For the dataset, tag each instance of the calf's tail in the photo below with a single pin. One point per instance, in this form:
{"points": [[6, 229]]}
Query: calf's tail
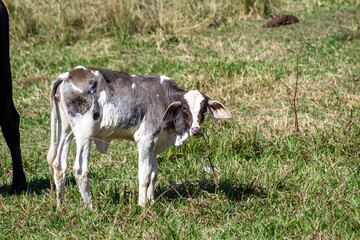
{"points": [[52, 152]]}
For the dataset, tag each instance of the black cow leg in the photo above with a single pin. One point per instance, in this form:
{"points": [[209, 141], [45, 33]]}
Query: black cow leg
{"points": [[10, 129]]}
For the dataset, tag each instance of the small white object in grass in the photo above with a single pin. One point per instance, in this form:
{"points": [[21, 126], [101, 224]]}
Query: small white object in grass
{"points": [[207, 169]]}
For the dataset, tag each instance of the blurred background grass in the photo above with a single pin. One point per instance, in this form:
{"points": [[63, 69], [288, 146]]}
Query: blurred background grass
{"points": [[69, 21]]}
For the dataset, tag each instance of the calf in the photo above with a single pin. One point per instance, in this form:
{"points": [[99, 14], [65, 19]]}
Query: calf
{"points": [[102, 105], [9, 118]]}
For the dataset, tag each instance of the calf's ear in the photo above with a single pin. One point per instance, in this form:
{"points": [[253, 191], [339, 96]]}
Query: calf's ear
{"points": [[172, 112], [217, 109]]}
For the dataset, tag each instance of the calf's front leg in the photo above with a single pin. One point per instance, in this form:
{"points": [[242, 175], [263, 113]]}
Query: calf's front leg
{"points": [[81, 171], [148, 168]]}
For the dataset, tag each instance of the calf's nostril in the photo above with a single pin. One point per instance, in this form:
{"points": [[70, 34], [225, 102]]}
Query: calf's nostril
{"points": [[195, 129], [96, 116]]}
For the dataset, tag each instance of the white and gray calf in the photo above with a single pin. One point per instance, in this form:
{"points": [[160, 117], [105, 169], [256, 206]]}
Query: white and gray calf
{"points": [[102, 105]]}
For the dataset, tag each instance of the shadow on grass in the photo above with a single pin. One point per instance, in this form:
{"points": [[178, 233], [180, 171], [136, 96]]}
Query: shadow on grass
{"points": [[5, 189], [169, 192], [191, 190], [37, 185], [227, 189]]}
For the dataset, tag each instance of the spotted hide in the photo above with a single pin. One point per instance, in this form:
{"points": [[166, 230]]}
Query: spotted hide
{"points": [[102, 105]]}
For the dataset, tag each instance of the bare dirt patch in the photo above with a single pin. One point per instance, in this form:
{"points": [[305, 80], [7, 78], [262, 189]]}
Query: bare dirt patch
{"points": [[281, 20], [350, 36]]}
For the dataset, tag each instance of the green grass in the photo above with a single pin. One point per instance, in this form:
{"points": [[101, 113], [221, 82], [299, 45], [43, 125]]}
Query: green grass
{"points": [[273, 184]]}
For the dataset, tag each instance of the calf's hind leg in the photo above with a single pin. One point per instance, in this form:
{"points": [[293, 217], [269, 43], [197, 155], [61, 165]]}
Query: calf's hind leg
{"points": [[60, 163], [63, 142]]}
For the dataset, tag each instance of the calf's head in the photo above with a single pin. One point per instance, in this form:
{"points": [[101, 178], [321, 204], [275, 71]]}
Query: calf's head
{"points": [[192, 107]]}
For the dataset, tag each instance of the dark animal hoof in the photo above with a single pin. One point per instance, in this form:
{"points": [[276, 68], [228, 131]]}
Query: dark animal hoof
{"points": [[18, 188], [281, 20]]}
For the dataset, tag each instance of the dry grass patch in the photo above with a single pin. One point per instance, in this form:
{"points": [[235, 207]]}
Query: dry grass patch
{"points": [[66, 22]]}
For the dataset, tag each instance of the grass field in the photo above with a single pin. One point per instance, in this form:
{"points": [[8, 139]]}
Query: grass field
{"points": [[275, 183]]}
